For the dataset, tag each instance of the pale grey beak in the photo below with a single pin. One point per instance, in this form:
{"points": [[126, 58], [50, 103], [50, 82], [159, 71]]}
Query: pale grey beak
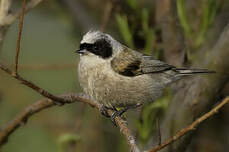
{"points": [[81, 51]]}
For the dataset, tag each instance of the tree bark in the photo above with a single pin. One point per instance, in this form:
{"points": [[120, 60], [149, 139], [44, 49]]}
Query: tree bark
{"points": [[197, 94]]}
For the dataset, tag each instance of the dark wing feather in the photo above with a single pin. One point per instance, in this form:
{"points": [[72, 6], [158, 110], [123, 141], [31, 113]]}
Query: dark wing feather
{"points": [[132, 63], [150, 65]]}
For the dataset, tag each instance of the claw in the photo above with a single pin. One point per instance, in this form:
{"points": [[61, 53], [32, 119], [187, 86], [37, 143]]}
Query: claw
{"points": [[114, 115], [103, 111], [117, 114]]}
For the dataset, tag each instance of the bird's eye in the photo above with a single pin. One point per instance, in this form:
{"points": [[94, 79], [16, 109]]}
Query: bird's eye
{"points": [[95, 47]]}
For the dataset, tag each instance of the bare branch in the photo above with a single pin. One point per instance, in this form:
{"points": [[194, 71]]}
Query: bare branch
{"points": [[4, 8], [68, 98], [191, 127], [11, 16], [19, 36]]}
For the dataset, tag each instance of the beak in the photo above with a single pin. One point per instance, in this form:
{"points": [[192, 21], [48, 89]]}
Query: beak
{"points": [[81, 51]]}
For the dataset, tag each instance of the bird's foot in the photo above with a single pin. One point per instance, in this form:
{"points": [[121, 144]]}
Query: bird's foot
{"points": [[103, 111], [117, 114]]}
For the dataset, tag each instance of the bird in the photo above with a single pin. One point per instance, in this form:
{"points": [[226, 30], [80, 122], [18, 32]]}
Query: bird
{"points": [[116, 76]]}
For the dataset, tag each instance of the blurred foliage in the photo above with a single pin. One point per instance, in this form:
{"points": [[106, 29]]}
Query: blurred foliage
{"points": [[68, 141], [209, 9], [125, 30], [150, 114], [136, 29], [181, 11], [132, 4]]}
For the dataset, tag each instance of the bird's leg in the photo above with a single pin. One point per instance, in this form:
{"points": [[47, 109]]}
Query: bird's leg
{"points": [[118, 113], [104, 109]]}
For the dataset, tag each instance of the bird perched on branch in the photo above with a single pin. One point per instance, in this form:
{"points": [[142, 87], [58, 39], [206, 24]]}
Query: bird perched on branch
{"points": [[117, 76]]}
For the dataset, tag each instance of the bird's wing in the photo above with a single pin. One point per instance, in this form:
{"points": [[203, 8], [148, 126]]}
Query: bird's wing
{"points": [[150, 65], [132, 63]]}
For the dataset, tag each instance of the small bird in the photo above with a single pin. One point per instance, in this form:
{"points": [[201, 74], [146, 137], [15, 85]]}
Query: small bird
{"points": [[116, 76]]}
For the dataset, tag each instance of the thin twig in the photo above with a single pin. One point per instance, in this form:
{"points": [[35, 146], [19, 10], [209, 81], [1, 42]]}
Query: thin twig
{"points": [[21, 79], [19, 36], [191, 127]]}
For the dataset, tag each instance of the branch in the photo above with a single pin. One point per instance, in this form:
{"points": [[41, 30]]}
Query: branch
{"points": [[4, 8], [19, 36], [40, 105], [10, 16], [191, 127]]}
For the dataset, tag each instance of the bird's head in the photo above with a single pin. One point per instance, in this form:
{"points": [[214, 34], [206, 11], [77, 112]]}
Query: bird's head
{"points": [[99, 44]]}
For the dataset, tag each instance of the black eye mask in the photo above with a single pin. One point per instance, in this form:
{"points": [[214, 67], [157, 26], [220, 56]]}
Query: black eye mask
{"points": [[101, 48]]}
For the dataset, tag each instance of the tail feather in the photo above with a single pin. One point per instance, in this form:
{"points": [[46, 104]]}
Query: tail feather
{"points": [[183, 71]]}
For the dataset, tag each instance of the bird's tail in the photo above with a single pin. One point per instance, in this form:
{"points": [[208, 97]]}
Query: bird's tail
{"points": [[183, 71]]}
